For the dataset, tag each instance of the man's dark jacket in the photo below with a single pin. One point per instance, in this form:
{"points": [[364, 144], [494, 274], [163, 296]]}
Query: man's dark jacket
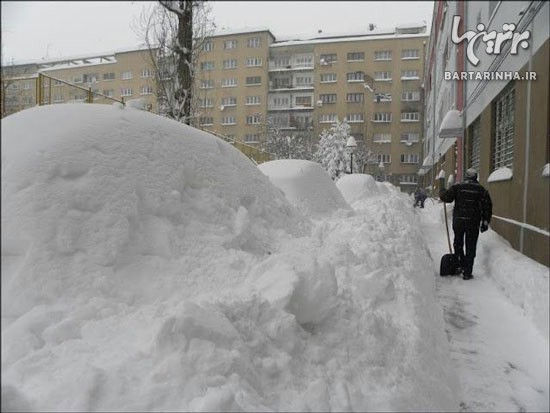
{"points": [[472, 203]]}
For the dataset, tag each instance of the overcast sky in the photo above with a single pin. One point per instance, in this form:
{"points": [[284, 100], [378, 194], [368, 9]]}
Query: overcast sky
{"points": [[35, 30]]}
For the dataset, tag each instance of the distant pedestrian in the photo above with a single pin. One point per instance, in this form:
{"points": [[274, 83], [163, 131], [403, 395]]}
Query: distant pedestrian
{"points": [[472, 212], [419, 197]]}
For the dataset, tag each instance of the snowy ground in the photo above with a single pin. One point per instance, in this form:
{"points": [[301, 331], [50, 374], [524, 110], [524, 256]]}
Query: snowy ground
{"points": [[149, 266]]}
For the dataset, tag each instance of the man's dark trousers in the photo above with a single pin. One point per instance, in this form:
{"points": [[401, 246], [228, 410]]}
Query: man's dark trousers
{"points": [[471, 233]]}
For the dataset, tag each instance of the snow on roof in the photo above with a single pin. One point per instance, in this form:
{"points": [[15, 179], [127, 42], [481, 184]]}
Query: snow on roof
{"points": [[225, 31], [86, 56], [332, 38]]}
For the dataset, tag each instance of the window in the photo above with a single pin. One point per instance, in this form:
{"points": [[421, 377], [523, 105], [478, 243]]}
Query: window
{"points": [[409, 75], [206, 121], [384, 158], [381, 137], [58, 99], [410, 117], [207, 84], [27, 85], [304, 81], [229, 82], [358, 136], [229, 120], [304, 61], [281, 102], [208, 46], [410, 96], [253, 80], [109, 76], [327, 59], [328, 118], [76, 79], [409, 158], [146, 73], [251, 138], [382, 76], [229, 101], [90, 78], [356, 77], [206, 103], [282, 61], [475, 144], [408, 179], [383, 117], [503, 140], [109, 92], [410, 137], [355, 97], [253, 119], [207, 65], [382, 55], [355, 117], [356, 56], [409, 54], [328, 98], [126, 75], [127, 91], [382, 97], [303, 101], [253, 42], [328, 77], [146, 90], [230, 64], [254, 62], [253, 100], [230, 44], [57, 83]]}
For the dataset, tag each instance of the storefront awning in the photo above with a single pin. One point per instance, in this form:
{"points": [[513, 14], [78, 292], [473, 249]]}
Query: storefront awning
{"points": [[451, 127]]}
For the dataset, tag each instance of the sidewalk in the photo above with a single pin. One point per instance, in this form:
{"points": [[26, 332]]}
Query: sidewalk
{"points": [[500, 356]]}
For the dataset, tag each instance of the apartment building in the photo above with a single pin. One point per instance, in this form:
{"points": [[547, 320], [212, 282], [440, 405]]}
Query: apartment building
{"points": [[496, 118], [373, 80], [120, 75]]}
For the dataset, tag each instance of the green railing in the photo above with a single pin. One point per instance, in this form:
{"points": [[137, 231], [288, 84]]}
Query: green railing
{"points": [[257, 155], [44, 88]]}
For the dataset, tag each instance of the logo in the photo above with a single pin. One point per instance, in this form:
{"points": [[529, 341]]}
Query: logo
{"points": [[493, 40]]}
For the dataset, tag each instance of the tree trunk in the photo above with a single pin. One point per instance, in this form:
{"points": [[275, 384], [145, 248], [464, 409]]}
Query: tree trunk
{"points": [[184, 59]]}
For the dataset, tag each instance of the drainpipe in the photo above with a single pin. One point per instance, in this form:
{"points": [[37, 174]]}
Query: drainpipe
{"points": [[527, 147]]}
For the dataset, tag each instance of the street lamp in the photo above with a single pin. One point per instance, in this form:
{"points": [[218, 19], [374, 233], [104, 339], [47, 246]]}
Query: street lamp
{"points": [[351, 145]]}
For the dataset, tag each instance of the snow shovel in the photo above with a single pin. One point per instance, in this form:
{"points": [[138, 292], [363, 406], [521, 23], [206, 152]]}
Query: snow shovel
{"points": [[449, 262]]}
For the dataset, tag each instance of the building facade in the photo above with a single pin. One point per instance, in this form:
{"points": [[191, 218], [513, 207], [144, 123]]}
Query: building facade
{"points": [[502, 107], [121, 75], [303, 86]]}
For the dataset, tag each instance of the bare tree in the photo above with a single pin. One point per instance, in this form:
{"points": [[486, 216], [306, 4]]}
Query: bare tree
{"points": [[282, 145], [175, 33]]}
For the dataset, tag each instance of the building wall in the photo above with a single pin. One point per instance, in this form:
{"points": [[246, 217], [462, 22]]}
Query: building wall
{"points": [[73, 71], [363, 127]]}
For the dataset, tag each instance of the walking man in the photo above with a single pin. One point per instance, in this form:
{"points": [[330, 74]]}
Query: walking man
{"points": [[472, 212]]}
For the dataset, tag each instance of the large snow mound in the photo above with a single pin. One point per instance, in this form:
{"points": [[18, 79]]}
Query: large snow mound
{"points": [[306, 185], [147, 266], [87, 189], [355, 187]]}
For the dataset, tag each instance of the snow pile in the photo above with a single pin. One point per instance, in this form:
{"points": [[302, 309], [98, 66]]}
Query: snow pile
{"points": [[358, 186], [148, 266], [306, 185]]}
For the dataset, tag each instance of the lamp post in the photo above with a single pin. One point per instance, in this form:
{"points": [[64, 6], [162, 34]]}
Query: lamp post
{"points": [[381, 167], [351, 145]]}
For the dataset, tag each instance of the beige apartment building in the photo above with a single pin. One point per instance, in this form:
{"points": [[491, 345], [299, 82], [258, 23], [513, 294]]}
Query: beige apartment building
{"points": [[372, 80], [245, 79], [120, 75]]}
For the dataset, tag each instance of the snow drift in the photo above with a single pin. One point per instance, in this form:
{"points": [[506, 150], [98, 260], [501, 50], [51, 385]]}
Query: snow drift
{"points": [[306, 185], [149, 266]]}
